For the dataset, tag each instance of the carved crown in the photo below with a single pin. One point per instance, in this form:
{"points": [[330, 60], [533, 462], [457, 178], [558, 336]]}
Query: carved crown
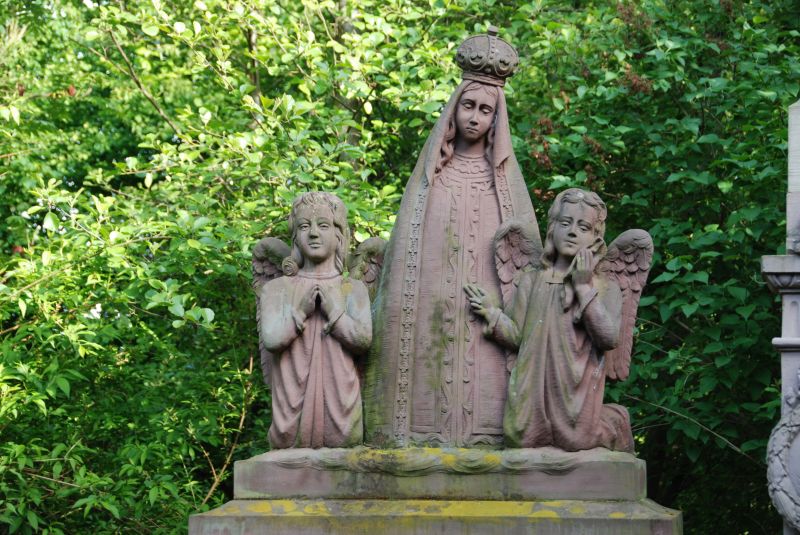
{"points": [[487, 58]]}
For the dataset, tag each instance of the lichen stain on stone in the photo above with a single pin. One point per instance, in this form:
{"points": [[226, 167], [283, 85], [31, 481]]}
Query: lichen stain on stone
{"points": [[259, 507], [545, 513], [491, 459], [617, 514], [316, 509], [283, 507], [577, 510], [449, 460], [227, 509]]}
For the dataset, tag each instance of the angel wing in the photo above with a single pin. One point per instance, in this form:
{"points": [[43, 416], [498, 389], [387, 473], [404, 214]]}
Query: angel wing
{"points": [[516, 246], [366, 262], [627, 262], [268, 256]]}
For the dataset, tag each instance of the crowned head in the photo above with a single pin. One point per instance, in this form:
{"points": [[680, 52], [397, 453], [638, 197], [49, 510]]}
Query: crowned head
{"points": [[487, 58]]}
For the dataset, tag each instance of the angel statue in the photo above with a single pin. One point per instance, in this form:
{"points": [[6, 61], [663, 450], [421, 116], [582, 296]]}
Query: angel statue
{"points": [[314, 323], [571, 322], [432, 377]]}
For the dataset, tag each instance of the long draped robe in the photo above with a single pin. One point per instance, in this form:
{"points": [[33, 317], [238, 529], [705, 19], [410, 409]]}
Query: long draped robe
{"points": [[557, 383], [432, 378], [316, 391]]}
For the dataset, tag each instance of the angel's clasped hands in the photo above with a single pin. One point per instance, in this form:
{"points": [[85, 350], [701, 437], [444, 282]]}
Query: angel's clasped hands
{"points": [[330, 301]]}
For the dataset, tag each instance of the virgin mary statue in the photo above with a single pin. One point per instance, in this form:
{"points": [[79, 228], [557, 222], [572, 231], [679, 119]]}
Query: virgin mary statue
{"points": [[433, 378]]}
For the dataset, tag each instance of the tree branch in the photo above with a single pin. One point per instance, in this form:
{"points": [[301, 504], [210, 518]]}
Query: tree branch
{"points": [[141, 86], [218, 478]]}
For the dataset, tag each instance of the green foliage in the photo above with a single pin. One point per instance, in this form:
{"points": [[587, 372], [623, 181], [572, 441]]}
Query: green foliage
{"points": [[145, 146]]}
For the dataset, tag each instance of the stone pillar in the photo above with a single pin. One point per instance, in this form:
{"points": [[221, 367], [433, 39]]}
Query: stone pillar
{"points": [[793, 195], [782, 274]]}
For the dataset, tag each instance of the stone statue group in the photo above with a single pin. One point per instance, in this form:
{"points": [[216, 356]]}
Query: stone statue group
{"points": [[462, 330]]}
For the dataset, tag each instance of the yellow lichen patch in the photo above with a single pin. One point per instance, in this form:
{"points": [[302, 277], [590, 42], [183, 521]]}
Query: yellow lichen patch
{"points": [[617, 514], [316, 508], [577, 510], [260, 506], [283, 507], [221, 511], [492, 459], [544, 513], [449, 460]]}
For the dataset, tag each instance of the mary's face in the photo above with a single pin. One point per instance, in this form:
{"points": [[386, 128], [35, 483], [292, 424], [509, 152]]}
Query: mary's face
{"points": [[475, 114]]}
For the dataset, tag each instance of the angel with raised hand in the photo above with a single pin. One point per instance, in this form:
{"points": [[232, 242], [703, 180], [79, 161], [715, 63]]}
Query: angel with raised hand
{"points": [[314, 323], [571, 321]]}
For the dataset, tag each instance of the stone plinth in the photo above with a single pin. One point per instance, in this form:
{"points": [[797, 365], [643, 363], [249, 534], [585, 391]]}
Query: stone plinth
{"points": [[437, 491], [401, 517], [447, 473]]}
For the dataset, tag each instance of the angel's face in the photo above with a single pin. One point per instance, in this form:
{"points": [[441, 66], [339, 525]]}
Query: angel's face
{"points": [[315, 234], [574, 229]]}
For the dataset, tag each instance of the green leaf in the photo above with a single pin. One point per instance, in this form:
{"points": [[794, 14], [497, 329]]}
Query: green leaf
{"points": [[113, 509], [150, 29], [708, 138], [689, 309], [33, 520], [63, 384], [208, 314], [746, 311], [738, 292], [722, 361], [50, 222], [177, 309]]}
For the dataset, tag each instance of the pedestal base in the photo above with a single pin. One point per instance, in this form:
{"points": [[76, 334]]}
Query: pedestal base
{"points": [[404, 517], [442, 473], [437, 491]]}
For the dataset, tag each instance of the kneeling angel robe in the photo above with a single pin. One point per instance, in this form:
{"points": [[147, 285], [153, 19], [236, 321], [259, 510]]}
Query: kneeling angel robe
{"points": [[316, 392], [555, 392]]}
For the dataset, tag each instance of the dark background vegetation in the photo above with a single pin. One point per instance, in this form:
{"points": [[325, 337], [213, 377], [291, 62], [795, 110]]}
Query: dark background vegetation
{"points": [[146, 145]]}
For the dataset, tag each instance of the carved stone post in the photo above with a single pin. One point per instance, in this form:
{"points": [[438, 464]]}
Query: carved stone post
{"points": [[782, 273]]}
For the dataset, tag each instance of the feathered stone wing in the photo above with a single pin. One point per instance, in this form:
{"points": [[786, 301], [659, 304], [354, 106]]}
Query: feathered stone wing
{"points": [[628, 263], [366, 263], [515, 249], [268, 256]]}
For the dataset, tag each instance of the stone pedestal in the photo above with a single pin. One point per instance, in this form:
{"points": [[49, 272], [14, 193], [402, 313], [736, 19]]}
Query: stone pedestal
{"points": [[431, 490], [782, 273]]}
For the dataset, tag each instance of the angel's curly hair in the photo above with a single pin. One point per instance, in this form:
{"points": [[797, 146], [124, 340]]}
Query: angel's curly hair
{"points": [[575, 196], [292, 263]]}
